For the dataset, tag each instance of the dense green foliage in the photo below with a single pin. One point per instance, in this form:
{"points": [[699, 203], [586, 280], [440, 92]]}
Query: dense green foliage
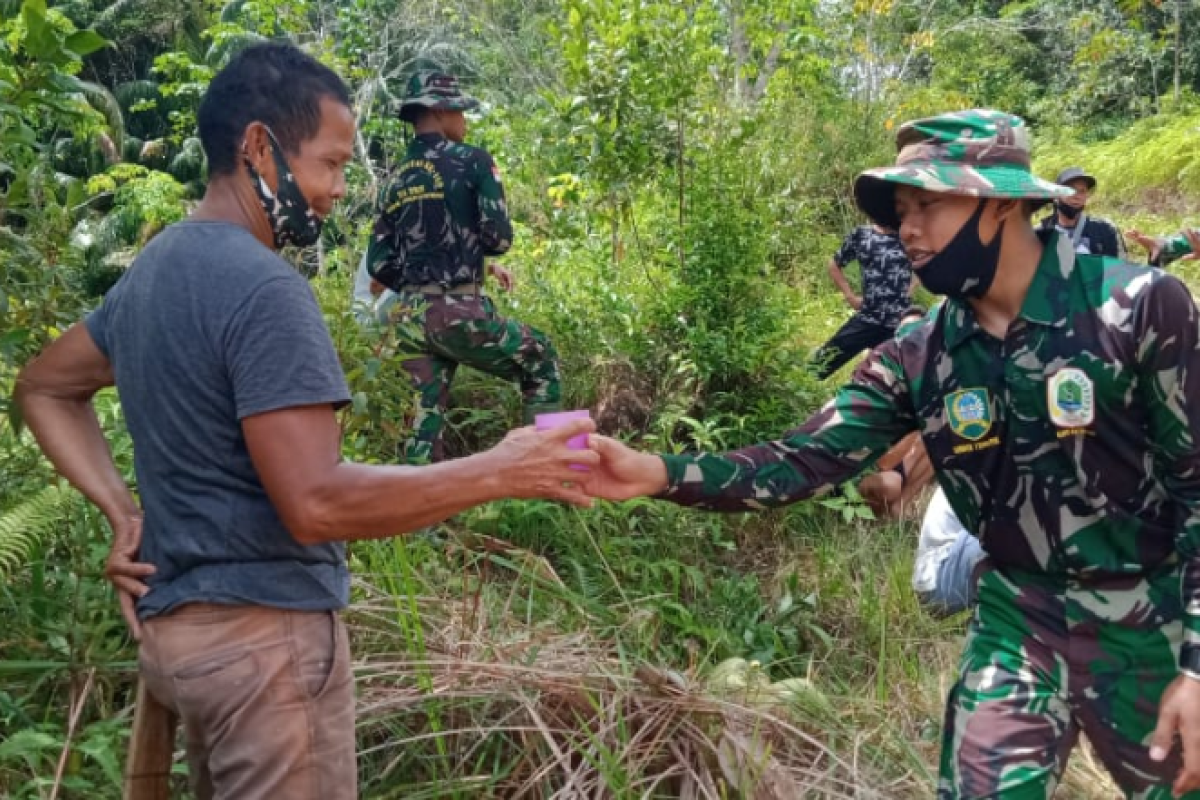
{"points": [[679, 173]]}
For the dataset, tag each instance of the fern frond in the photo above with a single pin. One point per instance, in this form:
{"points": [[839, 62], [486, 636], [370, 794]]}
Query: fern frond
{"points": [[31, 523], [587, 583]]}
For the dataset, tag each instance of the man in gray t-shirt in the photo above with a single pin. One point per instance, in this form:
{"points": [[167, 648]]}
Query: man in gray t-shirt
{"points": [[206, 329], [229, 383]]}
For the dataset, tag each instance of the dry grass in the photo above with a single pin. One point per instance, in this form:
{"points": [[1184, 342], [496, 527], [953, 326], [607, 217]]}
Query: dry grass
{"points": [[511, 712], [489, 699]]}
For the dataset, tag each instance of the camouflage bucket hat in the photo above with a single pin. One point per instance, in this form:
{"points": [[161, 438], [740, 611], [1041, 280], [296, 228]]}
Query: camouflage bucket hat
{"points": [[431, 89], [978, 153]]}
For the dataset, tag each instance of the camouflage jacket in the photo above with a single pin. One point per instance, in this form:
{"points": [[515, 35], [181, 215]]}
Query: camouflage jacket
{"points": [[440, 214], [1067, 447]]}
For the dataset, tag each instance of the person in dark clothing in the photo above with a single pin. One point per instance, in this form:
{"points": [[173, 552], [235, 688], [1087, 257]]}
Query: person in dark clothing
{"points": [[886, 286], [1089, 235]]}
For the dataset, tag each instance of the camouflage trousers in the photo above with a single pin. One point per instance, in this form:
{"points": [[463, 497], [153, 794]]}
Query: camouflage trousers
{"points": [[1047, 659], [449, 330]]}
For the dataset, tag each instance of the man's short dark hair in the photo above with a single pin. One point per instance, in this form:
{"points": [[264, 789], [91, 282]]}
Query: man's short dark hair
{"points": [[416, 115], [274, 83]]}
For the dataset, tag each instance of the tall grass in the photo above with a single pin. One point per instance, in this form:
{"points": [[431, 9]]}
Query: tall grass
{"points": [[1151, 170]]}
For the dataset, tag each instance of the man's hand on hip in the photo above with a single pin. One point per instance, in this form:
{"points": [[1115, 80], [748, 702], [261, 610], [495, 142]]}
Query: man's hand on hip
{"points": [[127, 574]]}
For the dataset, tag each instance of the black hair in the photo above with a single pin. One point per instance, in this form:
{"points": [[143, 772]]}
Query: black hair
{"points": [[415, 115], [275, 83], [1032, 205]]}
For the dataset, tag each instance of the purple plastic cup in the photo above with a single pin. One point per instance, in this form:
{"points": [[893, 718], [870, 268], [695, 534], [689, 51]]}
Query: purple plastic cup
{"points": [[555, 419]]}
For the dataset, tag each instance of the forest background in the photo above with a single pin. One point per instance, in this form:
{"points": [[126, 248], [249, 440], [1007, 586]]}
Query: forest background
{"points": [[679, 172]]}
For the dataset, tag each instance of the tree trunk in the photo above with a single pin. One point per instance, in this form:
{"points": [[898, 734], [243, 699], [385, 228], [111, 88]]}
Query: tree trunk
{"points": [[682, 163], [1178, 44], [740, 48]]}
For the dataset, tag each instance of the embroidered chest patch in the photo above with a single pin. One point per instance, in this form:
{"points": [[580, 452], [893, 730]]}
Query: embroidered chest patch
{"points": [[969, 413], [1071, 398]]}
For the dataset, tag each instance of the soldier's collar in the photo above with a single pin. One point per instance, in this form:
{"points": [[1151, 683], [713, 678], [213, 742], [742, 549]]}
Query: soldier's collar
{"points": [[1047, 302], [960, 323]]}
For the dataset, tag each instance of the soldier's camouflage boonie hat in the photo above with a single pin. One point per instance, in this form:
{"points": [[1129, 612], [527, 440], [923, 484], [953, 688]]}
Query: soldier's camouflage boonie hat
{"points": [[979, 153], [431, 89]]}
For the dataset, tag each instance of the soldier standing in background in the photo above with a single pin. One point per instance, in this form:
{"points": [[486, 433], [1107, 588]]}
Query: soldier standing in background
{"points": [[1050, 389], [441, 214]]}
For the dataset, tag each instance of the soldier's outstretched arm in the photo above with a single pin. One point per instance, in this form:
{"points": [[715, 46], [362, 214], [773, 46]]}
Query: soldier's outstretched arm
{"points": [[1165, 318], [495, 228], [1172, 248], [846, 436]]}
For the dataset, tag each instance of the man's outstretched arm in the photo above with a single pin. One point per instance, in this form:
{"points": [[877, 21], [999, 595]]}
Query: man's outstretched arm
{"points": [[319, 497]]}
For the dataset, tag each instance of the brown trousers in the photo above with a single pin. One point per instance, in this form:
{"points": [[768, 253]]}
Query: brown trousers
{"points": [[265, 697]]}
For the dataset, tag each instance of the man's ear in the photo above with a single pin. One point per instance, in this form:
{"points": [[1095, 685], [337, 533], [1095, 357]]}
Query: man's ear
{"points": [[1009, 208], [256, 146]]}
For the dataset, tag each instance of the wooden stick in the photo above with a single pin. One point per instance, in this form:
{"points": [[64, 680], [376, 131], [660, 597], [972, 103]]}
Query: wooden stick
{"points": [[76, 709], [151, 747]]}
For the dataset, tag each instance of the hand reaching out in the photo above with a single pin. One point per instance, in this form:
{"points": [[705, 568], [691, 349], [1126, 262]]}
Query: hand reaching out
{"points": [[503, 276], [624, 473], [538, 464], [1193, 239], [1151, 244]]}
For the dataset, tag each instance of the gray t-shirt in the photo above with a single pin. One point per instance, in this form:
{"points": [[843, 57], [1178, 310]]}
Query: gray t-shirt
{"points": [[209, 327]]}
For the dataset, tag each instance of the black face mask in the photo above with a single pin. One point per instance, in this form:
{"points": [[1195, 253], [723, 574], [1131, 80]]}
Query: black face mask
{"points": [[966, 266], [1070, 212]]}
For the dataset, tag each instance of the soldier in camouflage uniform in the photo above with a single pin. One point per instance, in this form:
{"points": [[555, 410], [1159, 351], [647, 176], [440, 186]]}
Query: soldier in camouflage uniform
{"points": [[442, 212], [1050, 390]]}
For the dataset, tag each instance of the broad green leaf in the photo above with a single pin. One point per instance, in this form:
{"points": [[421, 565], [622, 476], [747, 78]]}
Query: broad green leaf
{"points": [[41, 39], [20, 134], [85, 42], [66, 84]]}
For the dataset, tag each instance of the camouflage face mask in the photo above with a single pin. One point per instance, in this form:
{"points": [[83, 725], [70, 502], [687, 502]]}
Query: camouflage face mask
{"points": [[966, 266], [292, 219]]}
